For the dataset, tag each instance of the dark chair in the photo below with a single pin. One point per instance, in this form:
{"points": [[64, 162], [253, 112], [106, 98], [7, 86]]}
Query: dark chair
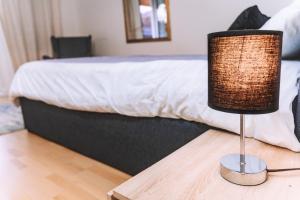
{"points": [[71, 47]]}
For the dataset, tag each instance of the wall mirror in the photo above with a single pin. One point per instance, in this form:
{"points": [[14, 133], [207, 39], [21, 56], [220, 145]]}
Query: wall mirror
{"points": [[147, 20]]}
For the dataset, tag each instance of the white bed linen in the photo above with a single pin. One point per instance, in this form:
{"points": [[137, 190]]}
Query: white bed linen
{"points": [[164, 87]]}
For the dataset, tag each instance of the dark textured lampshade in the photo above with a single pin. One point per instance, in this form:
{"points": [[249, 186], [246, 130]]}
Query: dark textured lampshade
{"points": [[244, 71]]}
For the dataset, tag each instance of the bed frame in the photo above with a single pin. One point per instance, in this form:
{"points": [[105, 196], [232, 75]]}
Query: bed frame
{"points": [[129, 144]]}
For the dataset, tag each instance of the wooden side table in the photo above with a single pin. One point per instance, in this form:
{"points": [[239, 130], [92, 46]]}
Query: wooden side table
{"points": [[192, 172]]}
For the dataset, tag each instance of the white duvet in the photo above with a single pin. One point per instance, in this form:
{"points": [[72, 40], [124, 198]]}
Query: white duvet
{"points": [[165, 87]]}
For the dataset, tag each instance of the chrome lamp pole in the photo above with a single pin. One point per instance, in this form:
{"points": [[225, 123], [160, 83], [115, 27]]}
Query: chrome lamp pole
{"points": [[242, 143]]}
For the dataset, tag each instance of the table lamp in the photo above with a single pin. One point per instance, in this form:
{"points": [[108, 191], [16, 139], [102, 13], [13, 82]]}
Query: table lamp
{"points": [[244, 78]]}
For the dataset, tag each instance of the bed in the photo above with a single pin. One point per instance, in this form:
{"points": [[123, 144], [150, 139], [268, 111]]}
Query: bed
{"points": [[130, 112]]}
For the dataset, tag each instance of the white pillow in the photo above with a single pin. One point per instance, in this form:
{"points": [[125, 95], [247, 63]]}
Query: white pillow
{"points": [[288, 21]]}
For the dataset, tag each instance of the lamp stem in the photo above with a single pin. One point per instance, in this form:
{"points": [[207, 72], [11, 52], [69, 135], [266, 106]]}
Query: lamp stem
{"points": [[234, 167], [242, 144]]}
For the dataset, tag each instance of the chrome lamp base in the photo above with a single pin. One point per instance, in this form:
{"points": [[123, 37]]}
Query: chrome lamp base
{"points": [[243, 169]]}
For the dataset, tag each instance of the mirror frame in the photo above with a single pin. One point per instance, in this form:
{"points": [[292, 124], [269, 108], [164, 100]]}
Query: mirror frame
{"points": [[168, 27]]}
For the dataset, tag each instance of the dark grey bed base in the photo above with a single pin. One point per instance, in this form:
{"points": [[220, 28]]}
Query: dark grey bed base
{"points": [[129, 144]]}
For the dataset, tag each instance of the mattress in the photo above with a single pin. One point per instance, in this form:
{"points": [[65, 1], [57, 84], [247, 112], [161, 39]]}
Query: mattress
{"points": [[150, 86]]}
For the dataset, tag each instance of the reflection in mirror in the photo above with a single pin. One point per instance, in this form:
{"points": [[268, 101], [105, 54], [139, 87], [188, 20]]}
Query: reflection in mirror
{"points": [[146, 20]]}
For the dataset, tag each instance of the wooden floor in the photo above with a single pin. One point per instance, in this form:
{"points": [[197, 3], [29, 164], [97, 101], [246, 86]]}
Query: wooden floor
{"points": [[32, 168]]}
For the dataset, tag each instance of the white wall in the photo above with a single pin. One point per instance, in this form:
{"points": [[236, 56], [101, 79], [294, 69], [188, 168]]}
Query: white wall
{"points": [[70, 17], [191, 20]]}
